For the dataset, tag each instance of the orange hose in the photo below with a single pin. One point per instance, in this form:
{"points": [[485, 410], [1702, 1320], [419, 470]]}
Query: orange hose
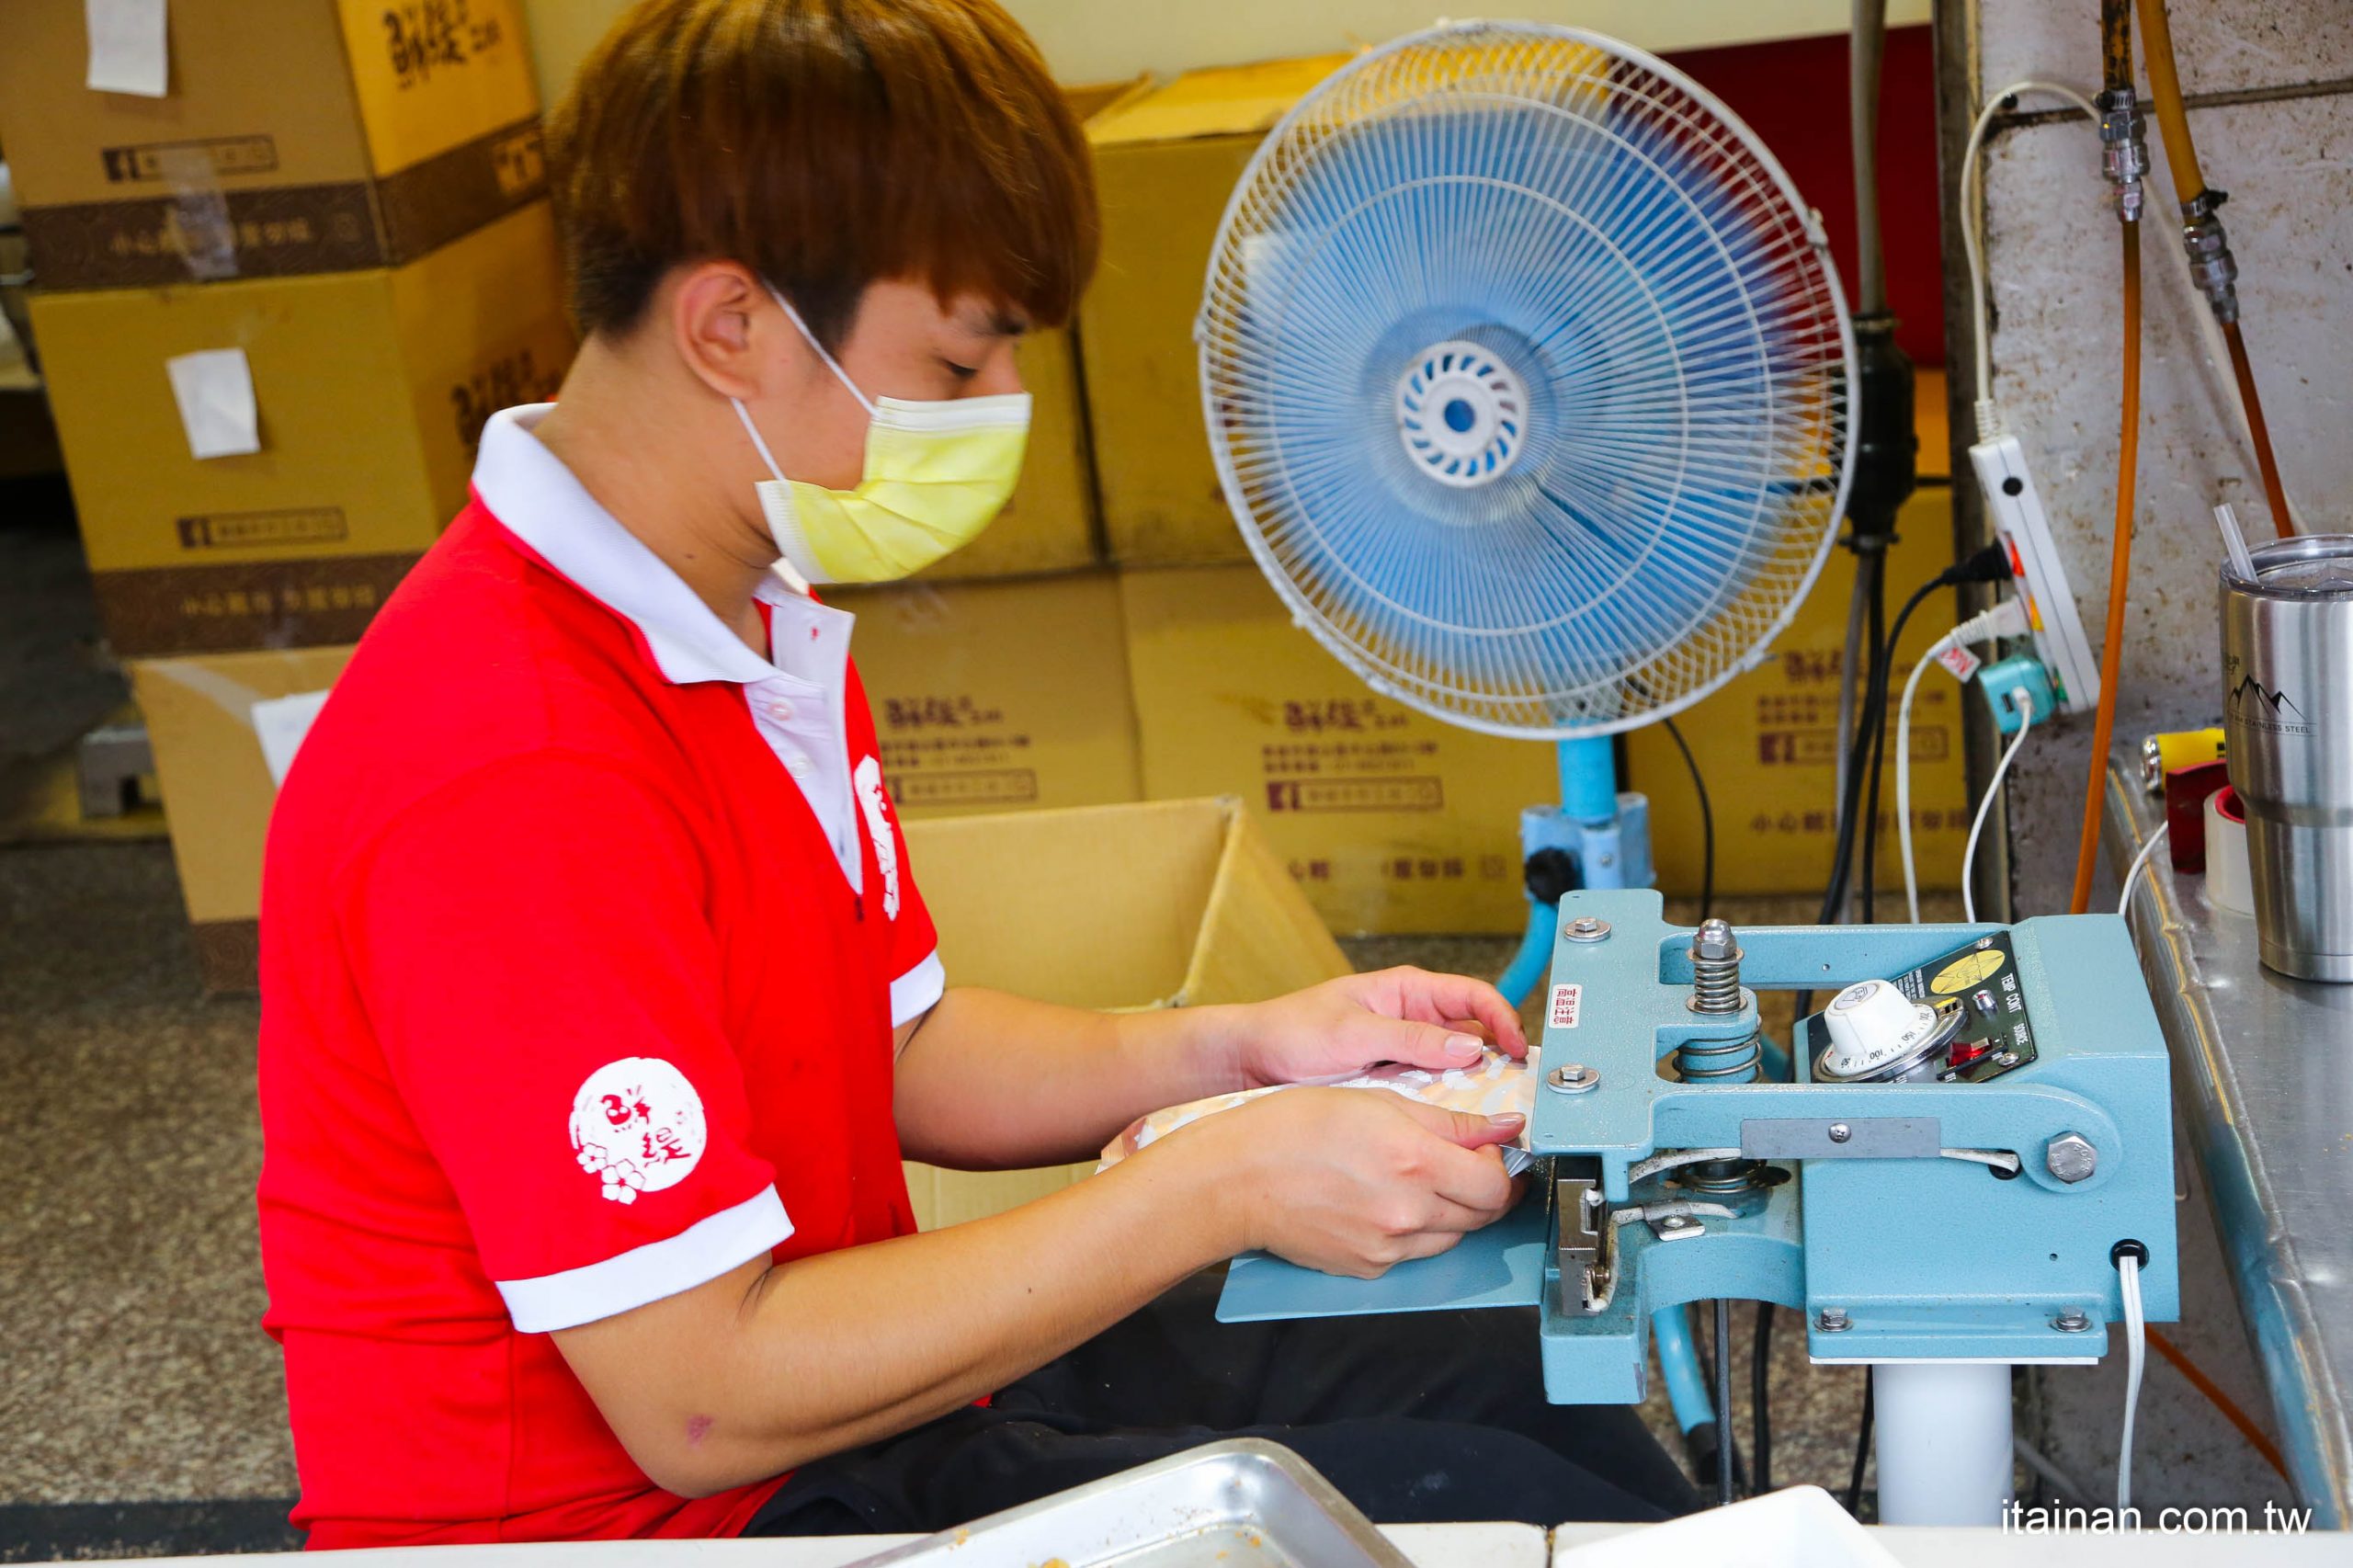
{"points": [[2222, 1402], [2119, 573], [2189, 187], [2165, 87], [2256, 427]]}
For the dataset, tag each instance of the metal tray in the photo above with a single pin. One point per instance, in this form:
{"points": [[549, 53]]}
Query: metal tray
{"points": [[1239, 1504]]}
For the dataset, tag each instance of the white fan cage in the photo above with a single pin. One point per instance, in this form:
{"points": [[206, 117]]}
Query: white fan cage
{"points": [[1712, 498]]}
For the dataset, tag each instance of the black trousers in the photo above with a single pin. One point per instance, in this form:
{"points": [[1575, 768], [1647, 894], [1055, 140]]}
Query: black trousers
{"points": [[1428, 1417]]}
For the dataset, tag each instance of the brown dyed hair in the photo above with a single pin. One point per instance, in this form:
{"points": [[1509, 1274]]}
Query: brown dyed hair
{"points": [[827, 144]]}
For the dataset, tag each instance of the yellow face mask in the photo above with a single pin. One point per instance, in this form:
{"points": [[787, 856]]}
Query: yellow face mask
{"points": [[936, 474]]}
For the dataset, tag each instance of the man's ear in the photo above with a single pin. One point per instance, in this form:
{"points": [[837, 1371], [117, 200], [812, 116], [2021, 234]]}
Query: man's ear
{"points": [[722, 322]]}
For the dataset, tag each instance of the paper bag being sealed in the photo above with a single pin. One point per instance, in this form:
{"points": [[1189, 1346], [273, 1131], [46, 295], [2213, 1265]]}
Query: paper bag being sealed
{"points": [[1497, 1086]]}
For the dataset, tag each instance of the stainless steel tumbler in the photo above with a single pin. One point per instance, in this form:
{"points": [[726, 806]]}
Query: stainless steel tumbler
{"points": [[2287, 710]]}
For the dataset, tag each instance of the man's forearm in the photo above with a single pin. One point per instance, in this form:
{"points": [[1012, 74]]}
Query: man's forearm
{"points": [[990, 1081], [755, 1373]]}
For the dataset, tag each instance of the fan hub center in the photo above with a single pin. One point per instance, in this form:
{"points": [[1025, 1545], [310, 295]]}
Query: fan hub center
{"points": [[1461, 413]]}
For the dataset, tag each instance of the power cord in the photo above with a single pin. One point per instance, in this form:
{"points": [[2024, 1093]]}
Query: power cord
{"points": [[1972, 227], [1867, 823], [2140, 864], [2008, 618], [1707, 821], [1760, 1369], [2128, 1256], [2025, 701], [1726, 1482]]}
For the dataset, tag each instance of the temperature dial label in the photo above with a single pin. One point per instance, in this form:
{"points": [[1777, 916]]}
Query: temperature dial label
{"points": [[1971, 967], [1995, 1034]]}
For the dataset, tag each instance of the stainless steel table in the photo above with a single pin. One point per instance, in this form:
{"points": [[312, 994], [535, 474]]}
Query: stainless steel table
{"points": [[2263, 1077]]}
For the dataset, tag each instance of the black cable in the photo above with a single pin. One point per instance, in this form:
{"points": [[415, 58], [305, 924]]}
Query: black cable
{"points": [[1728, 1454], [1707, 823], [1868, 570], [1862, 1451], [1874, 705], [1868, 816], [1725, 1490], [1760, 1366]]}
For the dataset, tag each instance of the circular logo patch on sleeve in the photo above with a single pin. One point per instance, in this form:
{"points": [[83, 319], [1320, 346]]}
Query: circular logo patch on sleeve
{"points": [[637, 1126]]}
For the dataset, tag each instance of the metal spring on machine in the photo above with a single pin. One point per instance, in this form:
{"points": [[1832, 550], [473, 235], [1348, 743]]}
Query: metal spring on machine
{"points": [[1715, 969], [1715, 992], [1717, 1061]]}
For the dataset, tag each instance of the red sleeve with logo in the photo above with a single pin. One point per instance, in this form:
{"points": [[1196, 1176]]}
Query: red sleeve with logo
{"points": [[532, 948]]}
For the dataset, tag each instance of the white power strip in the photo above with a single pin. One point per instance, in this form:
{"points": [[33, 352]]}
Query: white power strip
{"points": [[2016, 513]]}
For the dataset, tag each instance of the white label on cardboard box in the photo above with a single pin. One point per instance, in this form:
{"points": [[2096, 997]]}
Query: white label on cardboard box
{"points": [[215, 392], [280, 723], [1960, 661], [128, 53], [1566, 1002]]}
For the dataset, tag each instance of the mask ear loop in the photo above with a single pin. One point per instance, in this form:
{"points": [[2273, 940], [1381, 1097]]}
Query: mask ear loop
{"points": [[810, 338], [754, 432]]}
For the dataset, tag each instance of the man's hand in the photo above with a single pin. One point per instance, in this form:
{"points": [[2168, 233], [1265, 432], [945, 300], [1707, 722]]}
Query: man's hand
{"points": [[1352, 1181], [1344, 1026]]}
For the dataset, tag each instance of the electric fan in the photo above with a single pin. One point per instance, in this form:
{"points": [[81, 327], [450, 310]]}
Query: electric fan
{"points": [[1525, 370]]}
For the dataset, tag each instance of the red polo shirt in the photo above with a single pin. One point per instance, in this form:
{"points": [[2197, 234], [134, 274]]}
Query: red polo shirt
{"points": [[584, 929]]}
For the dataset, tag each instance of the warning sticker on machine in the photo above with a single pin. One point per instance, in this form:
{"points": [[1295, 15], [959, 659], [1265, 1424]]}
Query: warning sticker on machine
{"points": [[1566, 1000]]}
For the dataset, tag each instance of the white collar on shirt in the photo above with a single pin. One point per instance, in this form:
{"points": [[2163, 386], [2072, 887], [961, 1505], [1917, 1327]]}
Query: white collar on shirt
{"points": [[798, 702], [528, 489]]}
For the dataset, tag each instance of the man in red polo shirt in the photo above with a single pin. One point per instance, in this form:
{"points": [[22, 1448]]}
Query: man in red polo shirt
{"points": [[601, 1003]]}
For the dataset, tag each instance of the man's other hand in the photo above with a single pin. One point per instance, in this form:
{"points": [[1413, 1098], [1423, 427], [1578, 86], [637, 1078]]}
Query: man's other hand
{"points": [[1345, 1025]]}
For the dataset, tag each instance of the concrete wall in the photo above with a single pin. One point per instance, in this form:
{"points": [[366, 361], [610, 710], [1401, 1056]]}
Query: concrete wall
{"points": [[2270, 84], [1105, 40]]}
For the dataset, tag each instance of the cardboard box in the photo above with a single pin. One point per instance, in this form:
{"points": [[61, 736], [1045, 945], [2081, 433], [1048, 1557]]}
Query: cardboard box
{"points": [[372, 387], [217, 788], [1767, 743], [1166, 904], [991, 696], [295, 136], [1049, 525], [1165, 163], [1391, 821]]}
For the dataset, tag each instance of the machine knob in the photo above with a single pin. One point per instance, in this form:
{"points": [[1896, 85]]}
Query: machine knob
{"points": [[1873, 1025]]}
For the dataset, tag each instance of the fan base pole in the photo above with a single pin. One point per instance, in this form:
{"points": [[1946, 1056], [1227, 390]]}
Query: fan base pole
{"points": [[1589, 779]]}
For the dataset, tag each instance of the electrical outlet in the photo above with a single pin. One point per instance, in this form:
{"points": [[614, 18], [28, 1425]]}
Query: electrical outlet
{"points": [[2025, 532], [2005, 681]]}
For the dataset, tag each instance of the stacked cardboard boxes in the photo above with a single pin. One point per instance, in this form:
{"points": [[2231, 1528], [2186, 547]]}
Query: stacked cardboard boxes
{"points": [[281, 279], [288, 255], [368, 391], [1165, 163]]}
